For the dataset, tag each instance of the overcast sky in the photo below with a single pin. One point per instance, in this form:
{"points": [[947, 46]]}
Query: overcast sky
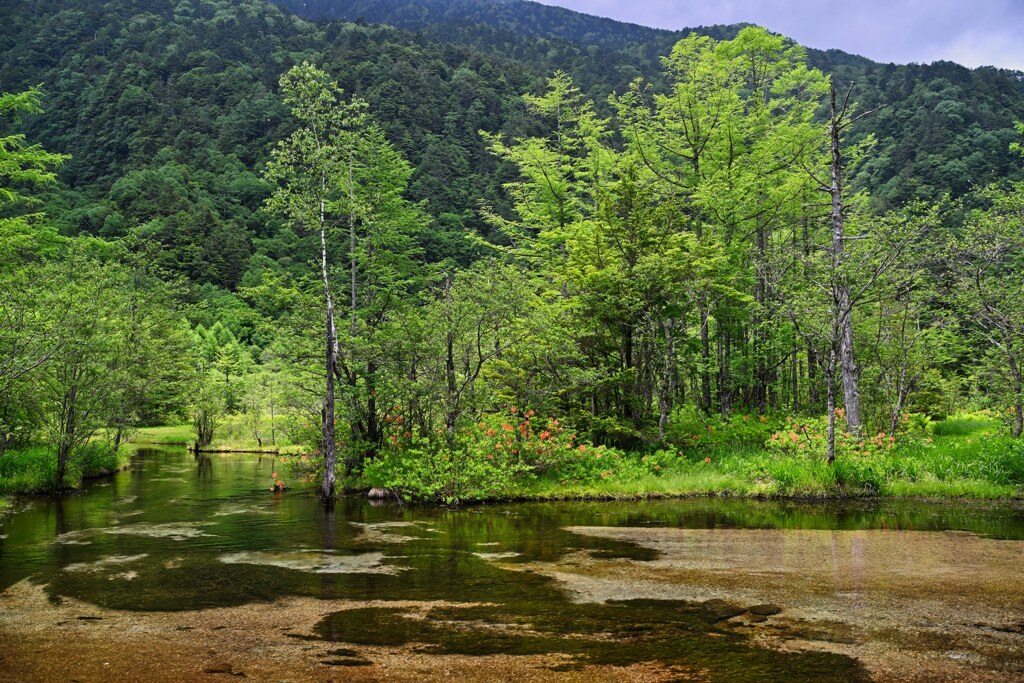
{"points": [[970, 32]]}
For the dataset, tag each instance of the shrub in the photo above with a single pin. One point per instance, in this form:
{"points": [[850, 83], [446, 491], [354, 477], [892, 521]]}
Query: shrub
{"points": [[443, 469], [692, 431]]}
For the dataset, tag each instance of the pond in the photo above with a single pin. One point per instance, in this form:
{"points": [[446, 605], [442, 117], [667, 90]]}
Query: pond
{"points": [[182, 569]]}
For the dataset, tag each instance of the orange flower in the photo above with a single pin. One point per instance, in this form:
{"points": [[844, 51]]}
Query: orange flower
{"points": [[274, 475], [707, 459]]}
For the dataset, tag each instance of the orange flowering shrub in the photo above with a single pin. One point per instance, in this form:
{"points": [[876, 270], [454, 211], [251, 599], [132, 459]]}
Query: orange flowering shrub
{"points": [[809, 437]]}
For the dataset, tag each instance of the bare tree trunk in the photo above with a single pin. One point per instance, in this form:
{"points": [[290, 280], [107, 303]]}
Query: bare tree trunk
{"points": [[725, 359], [449, 366], [1018, 400], [352, 246], [668, 381], [273, 429], [794, 377], [830, 375], [705, 357], [331, 340], [843, 305], [812, 376]]}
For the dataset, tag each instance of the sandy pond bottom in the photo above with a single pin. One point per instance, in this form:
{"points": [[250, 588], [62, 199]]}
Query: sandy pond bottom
{"points": [[905, 605], [74, 641]]}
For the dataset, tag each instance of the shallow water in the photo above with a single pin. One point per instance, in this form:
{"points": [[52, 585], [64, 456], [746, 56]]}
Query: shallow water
{"points": [[705, 588]]}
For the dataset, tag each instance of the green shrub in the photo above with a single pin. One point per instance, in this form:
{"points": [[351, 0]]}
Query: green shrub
{"points": [[693, 432], [443, 470]]}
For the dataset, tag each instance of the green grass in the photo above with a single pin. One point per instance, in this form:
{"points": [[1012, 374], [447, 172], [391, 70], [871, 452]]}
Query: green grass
{"points": [[689, 482], [231, 435], [966, 425], [34, 469], [966, 459], [180, 435]]}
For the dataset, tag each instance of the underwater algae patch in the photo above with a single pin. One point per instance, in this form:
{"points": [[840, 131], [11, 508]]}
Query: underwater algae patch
{"points": [[910, 605], [681, 641]]}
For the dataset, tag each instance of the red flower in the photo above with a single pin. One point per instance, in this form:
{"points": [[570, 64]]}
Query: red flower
{"points": [[707, 459]]}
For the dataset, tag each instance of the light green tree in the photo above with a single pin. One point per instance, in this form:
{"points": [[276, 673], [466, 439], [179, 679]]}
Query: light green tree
{"points": [[339, 180]]}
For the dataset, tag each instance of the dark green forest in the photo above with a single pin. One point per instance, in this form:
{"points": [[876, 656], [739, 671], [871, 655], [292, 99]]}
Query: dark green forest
{"points": [[460, 250]]}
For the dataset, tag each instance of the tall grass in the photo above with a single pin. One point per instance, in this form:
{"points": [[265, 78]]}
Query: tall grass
{"points": [[978, 465], [965, 425], [34, 469]]}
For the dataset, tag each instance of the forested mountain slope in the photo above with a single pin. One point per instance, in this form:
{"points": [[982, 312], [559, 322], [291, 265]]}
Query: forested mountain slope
{"points": [[169, 109], [942, 127]]}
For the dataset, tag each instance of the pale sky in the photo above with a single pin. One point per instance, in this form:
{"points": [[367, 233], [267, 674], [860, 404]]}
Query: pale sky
{"points": [[972, 33]]}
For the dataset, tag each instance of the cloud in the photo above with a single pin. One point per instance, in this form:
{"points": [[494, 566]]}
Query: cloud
{"points": [[985, 32]]}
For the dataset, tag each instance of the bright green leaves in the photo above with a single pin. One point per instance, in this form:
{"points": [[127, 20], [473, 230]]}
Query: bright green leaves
{"points": [[23, 165]]}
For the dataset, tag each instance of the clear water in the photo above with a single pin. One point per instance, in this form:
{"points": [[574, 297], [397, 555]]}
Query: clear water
{"points": [[176, 533]]}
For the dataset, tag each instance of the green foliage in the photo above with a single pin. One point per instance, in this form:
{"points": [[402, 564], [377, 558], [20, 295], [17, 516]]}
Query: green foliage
{"points": [[694, 432], [207, 411], [444, 470], [35, 469], [636, 247]]}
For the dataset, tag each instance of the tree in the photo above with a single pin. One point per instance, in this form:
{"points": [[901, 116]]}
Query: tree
{"points": [[77, 384], [985, 264], [29, 310], [339, 179], [309, 168], [838, 271], [151, 344], [727, 141], [592, 221]]}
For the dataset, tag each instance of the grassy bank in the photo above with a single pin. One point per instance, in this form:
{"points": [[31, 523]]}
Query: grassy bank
{"points": [[231, 435], [947, 469], [968, 456], [34, 469]]}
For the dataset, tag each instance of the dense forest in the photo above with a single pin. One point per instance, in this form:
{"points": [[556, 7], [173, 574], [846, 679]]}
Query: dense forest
{"points": [[487, 241]]}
